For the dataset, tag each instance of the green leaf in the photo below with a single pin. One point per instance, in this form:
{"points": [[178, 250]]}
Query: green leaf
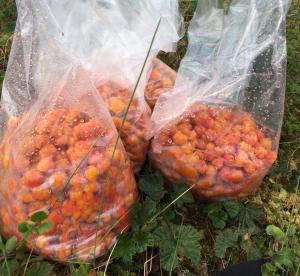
{"points": [[168, 257], [2, 246], [41, 269], [217, 216], [163, 238], [142, 212], [82, 270], [232, 208], [11, 243], [291, 231], [125, 248], [153, 186], [23, 227], [142, 240], [249, 214], [179, 189], [224, 240], [276, 232], [188, 238], [12, 265], [177, 240], [268, 269], [38, 216], [44, 227], [285, 257]]}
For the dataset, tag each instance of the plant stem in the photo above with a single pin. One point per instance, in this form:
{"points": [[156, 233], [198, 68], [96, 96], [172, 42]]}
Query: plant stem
{"points": [[27, 262], [6, 263]]}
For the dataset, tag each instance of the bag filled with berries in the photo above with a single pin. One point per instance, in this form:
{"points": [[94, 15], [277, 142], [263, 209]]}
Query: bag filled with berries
{"points": [[59, 150], [111, 40], [218, 129]]}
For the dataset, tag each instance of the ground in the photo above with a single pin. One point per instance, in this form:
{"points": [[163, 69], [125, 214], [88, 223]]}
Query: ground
{"points": [[273, 225]]}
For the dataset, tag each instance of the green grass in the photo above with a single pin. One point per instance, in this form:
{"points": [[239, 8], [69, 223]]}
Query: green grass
{"points": [[277, 199]]}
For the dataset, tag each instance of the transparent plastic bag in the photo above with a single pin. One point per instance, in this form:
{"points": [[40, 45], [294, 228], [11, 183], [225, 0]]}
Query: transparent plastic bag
{"points": [[57, 146], [111, 41], [219, 129], [161, 80]]}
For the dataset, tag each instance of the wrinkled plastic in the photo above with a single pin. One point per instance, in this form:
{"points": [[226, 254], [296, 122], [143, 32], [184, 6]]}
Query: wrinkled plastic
{"points": [[218, 130], [58, 136], [161, 80], [110, 40]]}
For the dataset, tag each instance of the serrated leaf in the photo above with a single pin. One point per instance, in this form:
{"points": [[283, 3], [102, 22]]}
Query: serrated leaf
{"points": [[153, 186], [143, 240], [125, 248], [276, 232], [232, 208], [188, 239], [224, 240], [168, 257], [180, 189], [142, 212], [44, 227], [38, 216], [217, 216], [249, 214], [41, 269], [285, 257], [177, 240], [11, 243], [163, 238], [23, 227]]}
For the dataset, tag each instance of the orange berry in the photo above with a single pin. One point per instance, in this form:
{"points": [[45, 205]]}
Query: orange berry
{"points": [[155, 75], [261, 152], [32, 178], [90, 129], [251, 139], [76, 215], [271, 157], [266, 143], [27, 198], [92, 173], [75, 195], [5, 162], [58, 180], [45, 164], [41, 241], [47, 150], [116, 105], [179, 138], [189, 172], [167, 83], [41, 194]]}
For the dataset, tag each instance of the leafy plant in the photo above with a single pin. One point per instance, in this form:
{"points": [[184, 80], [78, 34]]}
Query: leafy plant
{"points": [[221, 213], [154, 225], [282, 251]]}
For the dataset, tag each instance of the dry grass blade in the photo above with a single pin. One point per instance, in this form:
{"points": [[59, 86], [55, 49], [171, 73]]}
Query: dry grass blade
{"points": [[109, 257], [123, 122], [146, 270], [170, 204]]}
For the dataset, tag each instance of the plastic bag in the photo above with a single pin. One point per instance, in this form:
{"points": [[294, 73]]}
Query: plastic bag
{"points": [[57, 146], [161, 80], [111, 43], [218, 130]]}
